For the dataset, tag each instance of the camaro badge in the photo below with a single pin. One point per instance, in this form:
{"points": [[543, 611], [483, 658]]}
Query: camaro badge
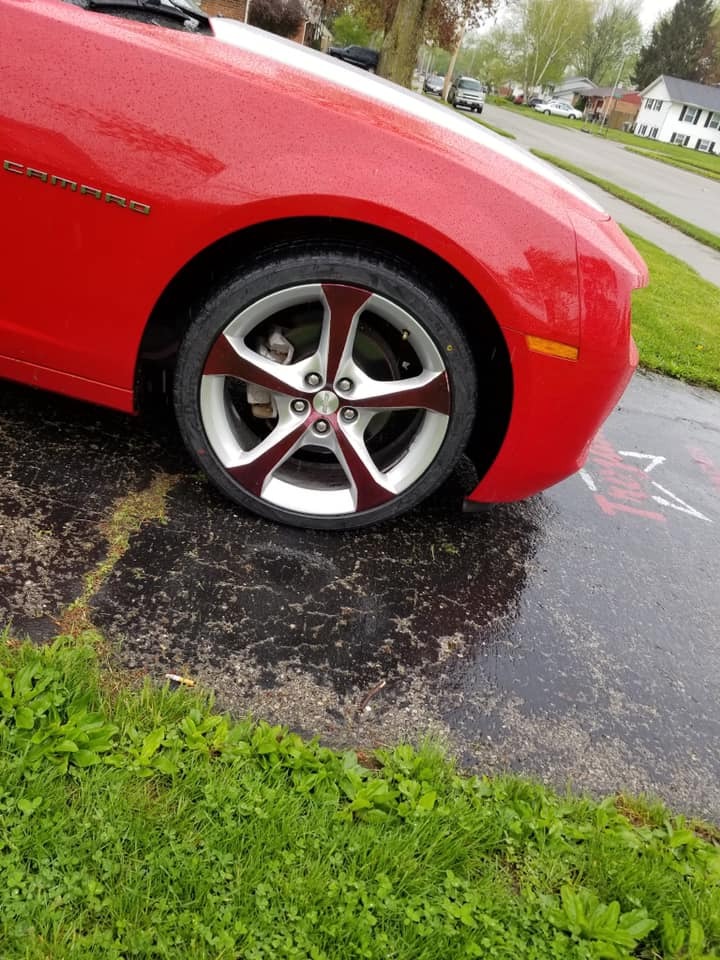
{"points": [[75, 187]]}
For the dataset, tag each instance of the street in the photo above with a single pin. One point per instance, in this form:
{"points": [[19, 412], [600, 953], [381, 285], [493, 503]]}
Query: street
{"points": [[571, 637], [687, 195]]}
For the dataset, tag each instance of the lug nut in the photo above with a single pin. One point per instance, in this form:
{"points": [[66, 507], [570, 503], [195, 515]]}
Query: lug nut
{"points": [[313, 379], [348, 414], [299, 406], [345, 385], [322, 426]]}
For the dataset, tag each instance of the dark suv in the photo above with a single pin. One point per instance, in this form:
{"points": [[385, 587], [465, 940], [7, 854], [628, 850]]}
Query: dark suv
{"points": [[363, 57]]}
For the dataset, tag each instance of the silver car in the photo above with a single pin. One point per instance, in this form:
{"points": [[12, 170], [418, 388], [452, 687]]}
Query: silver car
{"points": [[467, 92], [559, 108]]}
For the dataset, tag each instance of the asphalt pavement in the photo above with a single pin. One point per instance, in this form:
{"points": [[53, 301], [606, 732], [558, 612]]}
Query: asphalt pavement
{"points": [[572, 636]]}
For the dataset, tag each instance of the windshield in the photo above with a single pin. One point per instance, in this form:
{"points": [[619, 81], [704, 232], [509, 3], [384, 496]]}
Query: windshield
{"points": [[470, 85]]}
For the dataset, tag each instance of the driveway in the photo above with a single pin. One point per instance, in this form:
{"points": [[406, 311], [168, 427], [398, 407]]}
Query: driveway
{"points": [[572, 636], [691, 197]]}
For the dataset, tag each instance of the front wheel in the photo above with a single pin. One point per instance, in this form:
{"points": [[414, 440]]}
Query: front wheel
{"points": [[546, 112], [326, 387]]}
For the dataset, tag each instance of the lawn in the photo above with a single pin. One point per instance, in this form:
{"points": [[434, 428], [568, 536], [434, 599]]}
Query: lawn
{"points": [[676, 320], [138, 823]]}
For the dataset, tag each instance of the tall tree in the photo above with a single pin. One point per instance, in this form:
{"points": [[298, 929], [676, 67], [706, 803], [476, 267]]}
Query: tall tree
{"points": [[678, 44], [612, 35], [411, 21], [546, 37]]}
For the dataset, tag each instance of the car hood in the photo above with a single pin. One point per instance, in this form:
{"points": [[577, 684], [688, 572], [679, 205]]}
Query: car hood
{"points": [[328, 70]]}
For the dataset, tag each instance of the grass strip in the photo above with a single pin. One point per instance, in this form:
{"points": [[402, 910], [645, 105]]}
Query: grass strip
{"points": [[675, 319], [671, 161], [146, 825], [711, 240], [483, 123], [498, 130], [129, 514]]}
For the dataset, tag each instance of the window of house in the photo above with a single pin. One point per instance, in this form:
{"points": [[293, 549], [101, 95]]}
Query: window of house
{"points": [[680, 138], [690, 114], [653, 132], [642, 130], [713, 121], [650, 104], [704, 146], [658, 105]]}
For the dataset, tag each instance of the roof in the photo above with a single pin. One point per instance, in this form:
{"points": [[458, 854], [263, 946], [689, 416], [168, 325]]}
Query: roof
{"points": [[575, 83], [688, 91], [617, 92]]}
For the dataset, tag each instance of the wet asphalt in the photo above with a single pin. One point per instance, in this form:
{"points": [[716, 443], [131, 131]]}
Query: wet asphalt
{"points": [[572, 637]]}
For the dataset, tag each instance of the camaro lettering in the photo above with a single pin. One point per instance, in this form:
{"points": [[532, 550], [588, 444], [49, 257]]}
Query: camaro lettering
{"points": [[11, 166]]}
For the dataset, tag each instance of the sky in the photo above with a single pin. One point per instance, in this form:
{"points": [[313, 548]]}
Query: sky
{"points": [[650, 10]]}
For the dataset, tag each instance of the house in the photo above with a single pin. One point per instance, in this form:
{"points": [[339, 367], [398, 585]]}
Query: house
{"points": [[682, 112], [615, 107], [573, 87]]}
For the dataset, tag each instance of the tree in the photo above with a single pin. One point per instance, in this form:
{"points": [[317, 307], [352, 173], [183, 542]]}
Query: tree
{"points": [[283, 17], [411, 21], [546, 36], [678, 45], [349, 28], [612, 35]]}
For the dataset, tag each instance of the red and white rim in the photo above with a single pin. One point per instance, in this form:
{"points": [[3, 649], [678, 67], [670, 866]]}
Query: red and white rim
{"points": [[360, 413]]}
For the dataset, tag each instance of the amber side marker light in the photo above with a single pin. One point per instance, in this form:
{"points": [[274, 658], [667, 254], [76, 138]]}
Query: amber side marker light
{"points": [[551, 348]]}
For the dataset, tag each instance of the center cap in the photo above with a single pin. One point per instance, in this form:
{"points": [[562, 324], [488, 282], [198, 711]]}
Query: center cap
{"points": [[325, 402]]}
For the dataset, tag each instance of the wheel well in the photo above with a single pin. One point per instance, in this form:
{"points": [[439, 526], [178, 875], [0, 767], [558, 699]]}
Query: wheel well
{"points": [[176, 307]]}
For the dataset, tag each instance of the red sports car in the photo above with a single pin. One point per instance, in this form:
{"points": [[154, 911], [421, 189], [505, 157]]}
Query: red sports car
{"points": [[343, 286]]}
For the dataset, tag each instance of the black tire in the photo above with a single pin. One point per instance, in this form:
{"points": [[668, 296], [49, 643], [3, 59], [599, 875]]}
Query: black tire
{"points": [[401, 291], [546, 112]]}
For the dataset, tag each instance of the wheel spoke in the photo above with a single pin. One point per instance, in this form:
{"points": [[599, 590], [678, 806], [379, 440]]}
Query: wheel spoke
{"points": [[370, 484], [338, 335], [232, 360], [261, 462], [429, 391]]}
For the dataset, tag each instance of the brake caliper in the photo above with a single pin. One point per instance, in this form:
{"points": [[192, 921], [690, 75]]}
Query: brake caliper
{"points": [[278, 348]]}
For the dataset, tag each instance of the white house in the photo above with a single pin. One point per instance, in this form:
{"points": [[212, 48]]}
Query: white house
{"points": [[681, 111]]}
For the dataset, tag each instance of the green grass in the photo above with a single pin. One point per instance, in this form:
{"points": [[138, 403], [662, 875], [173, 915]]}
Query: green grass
{"points": [[676, 320], [140, 824], [711, 240], [674, 162]]}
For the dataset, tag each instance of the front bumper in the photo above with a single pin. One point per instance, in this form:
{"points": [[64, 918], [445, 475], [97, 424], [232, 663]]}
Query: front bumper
{"points": [[558, 407]]}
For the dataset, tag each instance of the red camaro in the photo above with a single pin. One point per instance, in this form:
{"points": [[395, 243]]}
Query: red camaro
{"points": [[345, 286]]}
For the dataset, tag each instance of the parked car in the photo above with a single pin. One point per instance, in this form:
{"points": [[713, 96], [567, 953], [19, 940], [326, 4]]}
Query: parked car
{"points": [[535, 101], [341, 287], [467, 92], [559, 108], [364, 57], [434, 83]]}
